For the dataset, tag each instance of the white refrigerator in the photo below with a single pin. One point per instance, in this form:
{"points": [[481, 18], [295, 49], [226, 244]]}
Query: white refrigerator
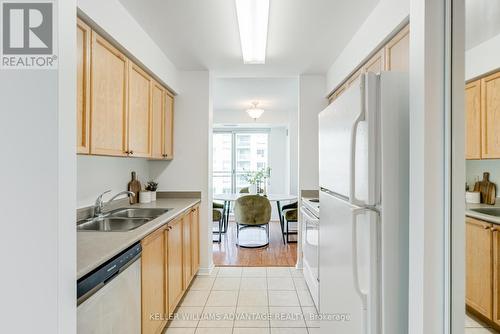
{"points": [[363, 174]]}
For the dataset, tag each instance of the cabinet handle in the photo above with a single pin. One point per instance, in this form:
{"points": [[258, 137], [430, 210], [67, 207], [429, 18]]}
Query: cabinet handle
{"points": [[493, 229], [165, 155], [131, 152], [487, 227], [127, 152]]}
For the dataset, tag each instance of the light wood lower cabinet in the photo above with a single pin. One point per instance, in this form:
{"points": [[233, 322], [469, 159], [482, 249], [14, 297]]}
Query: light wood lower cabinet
{"points": [[153, 286], [175, 276], [195, 240], [186, 251]]}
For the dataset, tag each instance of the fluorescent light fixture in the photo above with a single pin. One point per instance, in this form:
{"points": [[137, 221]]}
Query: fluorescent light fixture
{"points": [[253, 18], [255, 112]]}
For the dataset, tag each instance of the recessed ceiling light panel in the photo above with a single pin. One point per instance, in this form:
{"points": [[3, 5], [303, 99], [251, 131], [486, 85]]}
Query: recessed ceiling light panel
{"points": [[253, 19]]}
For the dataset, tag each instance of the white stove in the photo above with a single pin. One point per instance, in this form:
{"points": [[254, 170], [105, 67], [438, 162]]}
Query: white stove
{"points": [[310, 245]]}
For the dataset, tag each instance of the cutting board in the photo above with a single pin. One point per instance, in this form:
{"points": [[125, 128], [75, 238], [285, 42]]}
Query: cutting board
{"points": [[134, 186], [487, 189]]}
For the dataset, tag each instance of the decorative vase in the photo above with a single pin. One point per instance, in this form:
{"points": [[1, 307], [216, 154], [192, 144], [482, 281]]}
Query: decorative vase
{"points": [[145, 197], [252, 189], [153, 196]]}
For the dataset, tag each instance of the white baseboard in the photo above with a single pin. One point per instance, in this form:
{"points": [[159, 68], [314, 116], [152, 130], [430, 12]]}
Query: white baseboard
{"points": [[206, 271]]}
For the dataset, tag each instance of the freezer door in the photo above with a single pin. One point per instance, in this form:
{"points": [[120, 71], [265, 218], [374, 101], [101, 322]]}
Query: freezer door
{"points": [[348, 148], [349, 267]]}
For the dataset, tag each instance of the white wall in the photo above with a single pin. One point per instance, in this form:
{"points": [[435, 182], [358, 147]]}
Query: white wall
{"points": [[96, 174], [483, 58], [311, 102], [189, 170], [278, 160], [117, 23], [241, 117], [387, 17], [38, 239]]}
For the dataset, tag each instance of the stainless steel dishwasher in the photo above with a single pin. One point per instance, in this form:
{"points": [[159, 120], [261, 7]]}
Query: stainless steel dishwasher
{"points": [[109, 298]]}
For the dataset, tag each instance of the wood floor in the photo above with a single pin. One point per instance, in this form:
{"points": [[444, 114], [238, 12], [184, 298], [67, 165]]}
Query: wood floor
{"points": [[276, 254]]}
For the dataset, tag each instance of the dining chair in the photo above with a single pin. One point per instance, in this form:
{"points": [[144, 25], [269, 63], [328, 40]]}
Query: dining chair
{"points": [[252, 212], [290, 214], [218, 216]]}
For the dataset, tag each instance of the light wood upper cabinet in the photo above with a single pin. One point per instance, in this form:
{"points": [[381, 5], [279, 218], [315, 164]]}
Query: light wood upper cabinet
{"points": [[168, 127], [479, 266], [83, 37], [397, 51], [153, 282], [490, 113], [186, 251], [174, 280], [158, 107], [473, 120], [195, 239], [375, 64], [108, 99], [139, 112]]}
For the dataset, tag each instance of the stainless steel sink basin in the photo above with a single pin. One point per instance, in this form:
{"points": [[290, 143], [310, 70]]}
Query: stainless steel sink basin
{"points": [[137, 213], [488, 211], [109, 224], [120, 220]]}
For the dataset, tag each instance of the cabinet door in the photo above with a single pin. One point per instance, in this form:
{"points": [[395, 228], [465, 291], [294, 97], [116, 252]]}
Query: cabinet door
{"points": [[168, 127], [153, 282], [195, 240], [174, 264], [83, 36], [139, 115], [490, 112], [376, 63], [473, 120], [397, 51], [108, 107], [186, 246], [158, 103], [479, 265], [496, 275]]}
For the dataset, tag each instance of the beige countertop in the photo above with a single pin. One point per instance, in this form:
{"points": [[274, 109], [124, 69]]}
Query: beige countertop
{"points": [[482, 216], [95, 248]]}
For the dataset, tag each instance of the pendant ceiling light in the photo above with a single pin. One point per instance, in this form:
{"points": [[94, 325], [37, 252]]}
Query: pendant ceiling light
{"points": [[255, 112], [253, 18]]}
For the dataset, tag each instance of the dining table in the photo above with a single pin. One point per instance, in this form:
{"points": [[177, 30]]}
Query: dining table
{"points": [[228, 198]]}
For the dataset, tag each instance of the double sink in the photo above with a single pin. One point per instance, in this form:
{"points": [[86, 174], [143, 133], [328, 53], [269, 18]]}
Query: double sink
{"points": [[120, 220]]}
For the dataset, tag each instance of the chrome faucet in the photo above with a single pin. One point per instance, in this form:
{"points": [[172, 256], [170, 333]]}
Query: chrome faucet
{"points": [[99, 203]]}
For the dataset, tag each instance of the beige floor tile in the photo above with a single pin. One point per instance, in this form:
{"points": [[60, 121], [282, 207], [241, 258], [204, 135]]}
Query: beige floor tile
{"points": [[251, 331], [222, 298], [202, 283], [227, 283], [214, 331], [230, 271], [296, 272], [252, 316], [289, 331], [254, 272], [195, 298], [311, 317], [305, 298], [253, 298], [314, 331], [186, 316], [286, 317], [173, 330], [253, 283], [283, 298], [217, 317], [300, 283], [278, 272], [473, 322], [280, 283]]}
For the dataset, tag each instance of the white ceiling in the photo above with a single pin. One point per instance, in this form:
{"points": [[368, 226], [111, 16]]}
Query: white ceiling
{"points": [[305, 36], [482, 21], [237, 94]]}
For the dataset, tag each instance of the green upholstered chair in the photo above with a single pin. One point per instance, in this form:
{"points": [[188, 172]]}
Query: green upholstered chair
{"points": [[290, 214], [218, 216], [252, 212]]}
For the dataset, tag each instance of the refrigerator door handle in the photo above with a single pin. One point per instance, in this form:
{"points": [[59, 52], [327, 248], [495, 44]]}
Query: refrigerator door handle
{"points": [[357, 286], [352, 184]]}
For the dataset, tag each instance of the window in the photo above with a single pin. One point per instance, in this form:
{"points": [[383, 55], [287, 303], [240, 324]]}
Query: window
{"points": [[235, 153]]}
